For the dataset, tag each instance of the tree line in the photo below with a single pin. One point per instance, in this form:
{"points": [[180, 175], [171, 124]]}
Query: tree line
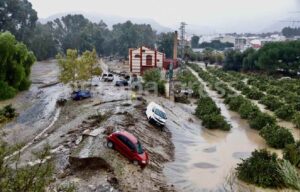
{"points": [[271, 58], [291, 32], [214, 44], [77, 32]]}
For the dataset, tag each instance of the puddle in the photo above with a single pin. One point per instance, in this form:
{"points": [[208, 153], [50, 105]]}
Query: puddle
{"points": [[205, 165]]}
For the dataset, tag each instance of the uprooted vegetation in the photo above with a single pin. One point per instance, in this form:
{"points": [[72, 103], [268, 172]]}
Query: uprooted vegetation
{"points": [[7, 113], [292, 153]]}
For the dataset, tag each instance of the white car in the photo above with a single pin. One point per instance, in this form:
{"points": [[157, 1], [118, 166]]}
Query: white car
{"points": [[104, 76], [110, 77], [156, 114]]}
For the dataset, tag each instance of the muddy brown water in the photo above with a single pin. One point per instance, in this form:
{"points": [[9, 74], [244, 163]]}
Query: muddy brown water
{"points": [[36, 107], [205, 158]]}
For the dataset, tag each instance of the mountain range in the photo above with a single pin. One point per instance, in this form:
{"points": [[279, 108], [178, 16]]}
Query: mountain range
{"points": [[191, 29]]}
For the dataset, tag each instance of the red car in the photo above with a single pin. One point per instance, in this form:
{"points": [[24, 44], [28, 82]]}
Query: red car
{"points": [[129, 146]]}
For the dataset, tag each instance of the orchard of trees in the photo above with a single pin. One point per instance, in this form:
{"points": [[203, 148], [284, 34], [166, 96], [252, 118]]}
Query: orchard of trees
{"points": [[271, 58]]}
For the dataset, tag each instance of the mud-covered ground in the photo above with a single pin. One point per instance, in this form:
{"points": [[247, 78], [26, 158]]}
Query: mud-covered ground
{"points": [[77, 134]]}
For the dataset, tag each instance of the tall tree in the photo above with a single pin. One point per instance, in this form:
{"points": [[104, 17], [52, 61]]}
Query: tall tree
{"points": [[75, 69], [291, 32], [128, 35], [43, 43], [17, 17], [195, 41], [166, 43], [15, 65]]}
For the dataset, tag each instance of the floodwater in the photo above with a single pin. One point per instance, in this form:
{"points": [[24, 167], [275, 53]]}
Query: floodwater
{"points": [[205, 158], [37, 106]]}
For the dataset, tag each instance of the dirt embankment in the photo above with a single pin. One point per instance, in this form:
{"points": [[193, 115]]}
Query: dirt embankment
{"points": [[89, 159]]}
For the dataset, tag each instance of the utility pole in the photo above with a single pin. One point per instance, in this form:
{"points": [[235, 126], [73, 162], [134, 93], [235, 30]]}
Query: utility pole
{"points": [[182, 38]]}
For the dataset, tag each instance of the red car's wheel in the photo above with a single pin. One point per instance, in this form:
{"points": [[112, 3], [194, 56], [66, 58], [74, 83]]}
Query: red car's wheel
{"points": [[135, 162], [110, 144]]}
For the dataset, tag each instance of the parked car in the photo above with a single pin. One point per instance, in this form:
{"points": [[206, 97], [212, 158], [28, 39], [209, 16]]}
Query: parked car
{"points": [[156, 114], [79, 95], [110, 77], [121, 83], [104, 77], [186, 92], [129, 146]]}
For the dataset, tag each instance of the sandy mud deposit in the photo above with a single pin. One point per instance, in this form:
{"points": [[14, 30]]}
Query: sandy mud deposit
{"points": [[77, 134], [88, 152]]}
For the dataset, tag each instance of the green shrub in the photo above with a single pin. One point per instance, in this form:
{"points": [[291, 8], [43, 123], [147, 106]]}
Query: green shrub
{"points": [[271, 102], [296, 120], [197, 89], [8, 111], [215, 121], [235, 102], [25, 178], [297, 106], [210, 114], [274, 90], [240, 85], [290, 97], [261, 169], [24, 85], [254, 94], [291, 153], [247, 110], [285, 112], [246, 90], [262, 86], [259, 120], [152, 75], [161, 87], [206, 106], [6, 91], [276, 136]]}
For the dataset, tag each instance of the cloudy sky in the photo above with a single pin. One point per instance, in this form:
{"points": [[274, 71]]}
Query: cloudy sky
{"points": [[219, 14]]}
